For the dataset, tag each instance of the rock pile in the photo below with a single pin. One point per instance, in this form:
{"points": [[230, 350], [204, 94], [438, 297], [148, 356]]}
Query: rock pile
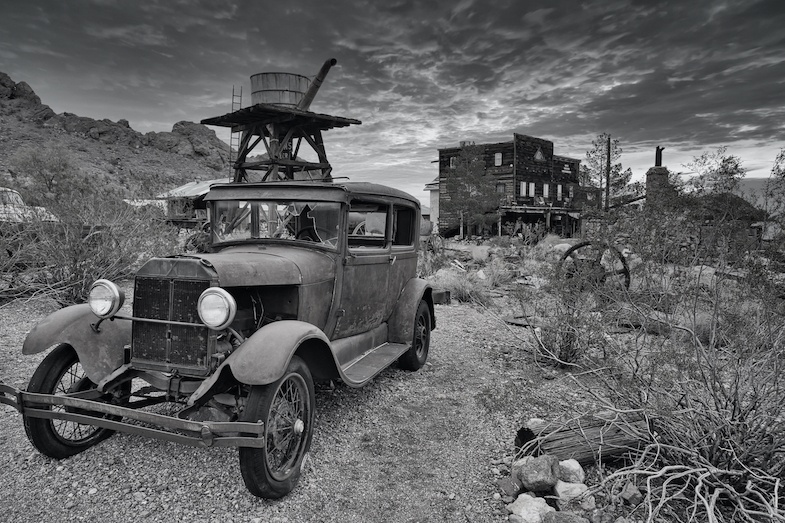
{"points": [[545, 490]]}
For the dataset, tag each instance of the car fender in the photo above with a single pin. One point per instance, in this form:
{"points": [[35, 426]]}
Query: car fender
{"points": [[263, 357], [401, 323], [100, 353]]}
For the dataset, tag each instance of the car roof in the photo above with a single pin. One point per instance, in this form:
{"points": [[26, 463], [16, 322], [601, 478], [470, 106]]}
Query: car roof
{"points": [[307, 190]]}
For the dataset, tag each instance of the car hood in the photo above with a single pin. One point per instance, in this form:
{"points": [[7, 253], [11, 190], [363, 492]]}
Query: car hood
{"points": [[270, 265], [25, 213]]}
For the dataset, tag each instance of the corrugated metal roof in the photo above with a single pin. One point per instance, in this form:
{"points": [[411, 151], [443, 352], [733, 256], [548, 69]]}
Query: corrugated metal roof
{"points": [[193, 189]]}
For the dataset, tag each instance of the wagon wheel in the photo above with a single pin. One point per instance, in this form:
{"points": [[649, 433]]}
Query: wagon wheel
{"points": [[597, 263]]}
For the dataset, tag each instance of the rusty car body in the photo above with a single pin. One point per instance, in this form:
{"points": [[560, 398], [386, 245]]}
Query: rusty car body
{"points": [[299, 282]]}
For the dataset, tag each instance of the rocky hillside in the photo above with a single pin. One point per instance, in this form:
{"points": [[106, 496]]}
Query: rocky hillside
{"points": [[141, 164]]}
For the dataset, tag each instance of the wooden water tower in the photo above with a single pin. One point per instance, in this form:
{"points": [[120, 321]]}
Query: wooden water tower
{"points": [[280, 119]]}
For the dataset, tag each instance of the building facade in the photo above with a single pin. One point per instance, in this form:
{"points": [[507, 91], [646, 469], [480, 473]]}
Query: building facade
{"points": [[534, 186]]}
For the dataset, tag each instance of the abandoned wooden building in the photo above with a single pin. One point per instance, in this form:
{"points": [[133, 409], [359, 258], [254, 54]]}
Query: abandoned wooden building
{"points": [[534, 186]]}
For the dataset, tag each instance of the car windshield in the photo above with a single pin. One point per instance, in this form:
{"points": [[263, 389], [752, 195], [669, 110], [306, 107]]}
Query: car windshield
{"points": [[10, 198], [306, 221]]}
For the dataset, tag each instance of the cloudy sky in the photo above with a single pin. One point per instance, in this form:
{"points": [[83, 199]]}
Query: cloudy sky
{"points": [[423, 75]]}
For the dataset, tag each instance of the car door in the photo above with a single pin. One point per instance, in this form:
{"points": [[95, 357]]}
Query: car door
{"points": [[403, 252], [366, 270]]}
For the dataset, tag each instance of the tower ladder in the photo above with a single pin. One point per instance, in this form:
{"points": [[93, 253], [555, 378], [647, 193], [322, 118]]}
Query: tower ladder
{"points": [[234, 139]]}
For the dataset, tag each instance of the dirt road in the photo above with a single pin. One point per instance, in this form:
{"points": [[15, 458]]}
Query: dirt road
{"points": [[423, 446]]}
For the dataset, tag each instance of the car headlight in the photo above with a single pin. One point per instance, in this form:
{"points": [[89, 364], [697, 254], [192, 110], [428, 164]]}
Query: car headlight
{"points": [[216, 308], [105, 298]]}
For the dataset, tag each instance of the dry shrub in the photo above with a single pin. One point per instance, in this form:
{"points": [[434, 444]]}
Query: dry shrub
{"points": [[63, 259], [97, 235], [498, 272], [464, 287], [710, 384]]}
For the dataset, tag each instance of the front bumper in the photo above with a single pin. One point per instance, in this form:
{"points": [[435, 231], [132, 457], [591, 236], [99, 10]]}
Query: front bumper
{"points": [[167, 428]]}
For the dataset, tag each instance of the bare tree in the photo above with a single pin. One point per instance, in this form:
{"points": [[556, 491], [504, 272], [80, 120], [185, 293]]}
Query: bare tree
{"points": [[594, 169]]}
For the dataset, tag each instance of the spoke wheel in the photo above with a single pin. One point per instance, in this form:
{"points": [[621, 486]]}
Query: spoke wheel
{"points": [[415, 357], [596, 264], [286, 408], [58, 374]]}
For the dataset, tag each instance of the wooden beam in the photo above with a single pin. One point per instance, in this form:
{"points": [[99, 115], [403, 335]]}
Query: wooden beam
{"points": [[285, 162]]}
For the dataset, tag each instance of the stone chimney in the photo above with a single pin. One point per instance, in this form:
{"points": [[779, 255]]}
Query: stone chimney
{"points": [[657, 184]]}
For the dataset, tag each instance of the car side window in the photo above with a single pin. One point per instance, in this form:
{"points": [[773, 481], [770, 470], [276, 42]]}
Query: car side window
{"points": [[403, 225], [367, 225]]}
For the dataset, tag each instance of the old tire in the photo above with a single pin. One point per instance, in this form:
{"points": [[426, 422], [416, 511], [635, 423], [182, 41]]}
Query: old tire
{"points": [[415, 357], [286, 408], [60, 372]]}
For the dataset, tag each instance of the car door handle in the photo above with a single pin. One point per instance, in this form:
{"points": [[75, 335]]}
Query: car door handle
{"points": [[392, 259]]}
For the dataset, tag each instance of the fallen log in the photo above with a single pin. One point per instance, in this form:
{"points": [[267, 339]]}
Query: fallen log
{"points": [[605, 436]]}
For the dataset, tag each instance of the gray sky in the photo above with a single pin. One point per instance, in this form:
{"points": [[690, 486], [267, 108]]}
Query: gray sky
{"points": [[687, 75]]}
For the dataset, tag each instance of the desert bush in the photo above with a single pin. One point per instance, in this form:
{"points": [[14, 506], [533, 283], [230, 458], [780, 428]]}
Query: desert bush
{"points": [[565, 315], [464, 287], [97, 235], [429, 262], [704, 367], [498, 272]]}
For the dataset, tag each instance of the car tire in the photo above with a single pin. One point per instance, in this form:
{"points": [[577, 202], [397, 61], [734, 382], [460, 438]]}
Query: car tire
{"points": [[415, 357], [286, 408], [60, 372]]}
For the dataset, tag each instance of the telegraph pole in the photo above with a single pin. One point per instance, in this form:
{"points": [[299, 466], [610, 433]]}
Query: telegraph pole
{"points": [[608, 175]]}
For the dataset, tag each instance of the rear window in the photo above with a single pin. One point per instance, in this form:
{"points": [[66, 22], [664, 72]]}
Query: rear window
{"points": [[367, 224], [403, 228]]}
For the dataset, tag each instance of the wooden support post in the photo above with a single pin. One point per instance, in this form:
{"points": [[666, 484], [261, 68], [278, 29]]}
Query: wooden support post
{"points": [[608, 175]]}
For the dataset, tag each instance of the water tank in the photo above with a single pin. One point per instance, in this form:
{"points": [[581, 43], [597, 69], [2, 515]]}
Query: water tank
{"points": [[278, 88]]}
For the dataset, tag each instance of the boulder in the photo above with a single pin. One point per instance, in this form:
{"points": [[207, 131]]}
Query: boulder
{"points": [[568, 492], [23, 91], [570, 471], [6, 86], [529, 508], [537, 474], [509, 486]]}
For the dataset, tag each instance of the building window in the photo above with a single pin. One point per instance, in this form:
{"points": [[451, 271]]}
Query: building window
{"points": [[497, 159], [572, 192], [453, 162], [501, 188], [532, 188], [545, 190], [558, 191]]}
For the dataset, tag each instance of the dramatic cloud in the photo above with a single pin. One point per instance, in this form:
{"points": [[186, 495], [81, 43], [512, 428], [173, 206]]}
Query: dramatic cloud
{"points": [[424, 75]]}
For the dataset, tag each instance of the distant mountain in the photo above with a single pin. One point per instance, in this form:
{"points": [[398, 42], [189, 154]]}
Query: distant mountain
{"points": [[140, 164], [753, 190]]}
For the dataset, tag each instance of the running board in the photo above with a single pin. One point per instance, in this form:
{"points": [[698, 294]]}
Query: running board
{"points": [[373, 362]]}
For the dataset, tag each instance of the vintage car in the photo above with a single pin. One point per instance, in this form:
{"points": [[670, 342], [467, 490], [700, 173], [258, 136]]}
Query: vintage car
{"points": [[300, 281]]}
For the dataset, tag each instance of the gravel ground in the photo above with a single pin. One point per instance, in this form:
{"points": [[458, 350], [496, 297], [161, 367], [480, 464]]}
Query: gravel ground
{"points": [[422, 446]]}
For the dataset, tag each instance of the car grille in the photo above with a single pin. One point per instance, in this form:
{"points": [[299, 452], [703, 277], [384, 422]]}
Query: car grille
{"points": [[163, 346]]}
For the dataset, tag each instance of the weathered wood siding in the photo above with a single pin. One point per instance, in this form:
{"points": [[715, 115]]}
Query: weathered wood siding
{"points": [[522, 161]]}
